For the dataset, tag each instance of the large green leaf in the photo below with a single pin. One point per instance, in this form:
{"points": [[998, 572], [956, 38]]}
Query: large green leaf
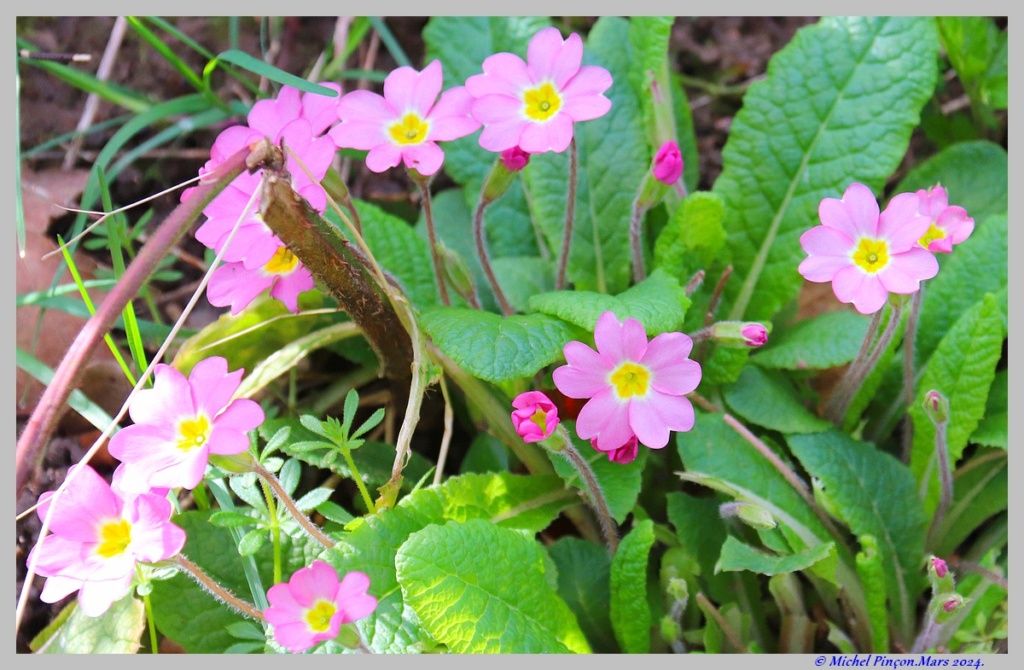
{"points": [[692, 237], [962, 369], [522, 277], [980, 490], [824, 341], [701, 532], [584, 571], [480, 588], [993, 430], [116, 631], [630, 612], [496, 348], [737, 555], [838, 106], [875, 495], [977, 49], [658, 302], [613, 159], [768, 400]]}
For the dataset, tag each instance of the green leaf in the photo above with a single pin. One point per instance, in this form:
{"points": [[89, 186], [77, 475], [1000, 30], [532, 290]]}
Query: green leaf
{"points": [[693, 236], [701, 532], [456, 577], [875, 495], [584, 571], [186, 613], [768, 400], [658, 302], [872, 576], [838, 106], [288, 356], [613, 159], [619, 483], [463, 42], [962, 369], [494, 348], [980, 491], [485, 454], [630, 612], [824, 341], [116, 631], [737, 555], [993, 430], [522, 277], [982, 190], [977, 49], [77, 400], [263, 69]]}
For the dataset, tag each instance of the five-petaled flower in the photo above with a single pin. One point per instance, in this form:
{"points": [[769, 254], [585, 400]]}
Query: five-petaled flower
{"points": [[867, 255], [533, 105], [405, 124], [950, 224], [535, 416], [180, 422], [635, 387], [98, 535], [312, 606]]}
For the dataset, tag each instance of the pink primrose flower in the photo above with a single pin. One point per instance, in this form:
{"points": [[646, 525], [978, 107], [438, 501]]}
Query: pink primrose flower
{"points": [[533, 105], [312, 606], [865, 255], [635, 387], [98, 534], [950, 224], [627, 453], [179, 422], [535, 416], [235, 285], [668, 164], [404, 125]]}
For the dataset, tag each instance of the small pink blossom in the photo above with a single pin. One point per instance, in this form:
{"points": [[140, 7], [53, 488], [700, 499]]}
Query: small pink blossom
{"points": [[627, 453], [404, 125], [312, 606], [668, 164], [635, 387], [235, 285], [98, 534], [535, 416], [179, 422], [754, 334], [514, 159], [533, 105], [865, 255], [950, 224], [953, 604], [939, 566]]}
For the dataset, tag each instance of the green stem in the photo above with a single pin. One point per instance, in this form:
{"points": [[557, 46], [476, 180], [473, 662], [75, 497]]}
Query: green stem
{"points": [[347, 453], [215, 589], [199, 496], [275, 530], [570, 214], [289, 504], [154, 645], [596, 495]]}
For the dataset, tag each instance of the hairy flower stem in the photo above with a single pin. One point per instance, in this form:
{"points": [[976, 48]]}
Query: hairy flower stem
{"points": [[363, 491], [485, 262], [215, 589], [635, 240], [596, 497], [275, 530], [908, 371], [570, 214], [428, 214], [289, 504], [839, 402], [945, 476]]}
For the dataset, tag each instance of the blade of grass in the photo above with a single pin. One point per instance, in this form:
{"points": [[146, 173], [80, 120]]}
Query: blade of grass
{"points": [[357, 32], [388, 38], [256, 66], [174, 60], [150, 331], [77, 400], [65, 137], [38, 297]]}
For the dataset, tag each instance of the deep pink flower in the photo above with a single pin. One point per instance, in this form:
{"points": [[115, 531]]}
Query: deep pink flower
{"points": [[635, 387], [404, 125], [235, 285], [312, 606], [514, 159], [533, 105], [535, 416], [627, 453], [865, 255], [180, 422], [949, 223], [98, 535], [754, 334], [668, 164], [939, 566]]}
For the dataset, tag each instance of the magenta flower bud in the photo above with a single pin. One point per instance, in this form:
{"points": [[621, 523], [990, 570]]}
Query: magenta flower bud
{"points": [[939, 566], [936, 406], [668, 164], [738, 333], [514, 159], [627, 453], [535, 416], [952, 604], [755, 334]]}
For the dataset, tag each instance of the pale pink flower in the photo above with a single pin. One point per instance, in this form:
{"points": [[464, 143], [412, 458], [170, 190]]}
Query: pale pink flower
{"points": [[535, 416], [627, 453], [950, 224], [98, 534], [668, 164], [865, 255], [312, 606], [404, 125], [635, 387], [179, 422], [235, 285], [533, 105]]}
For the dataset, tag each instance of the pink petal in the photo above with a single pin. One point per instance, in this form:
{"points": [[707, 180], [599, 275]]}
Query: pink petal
{"points": [[405, 89], [288, 287], [426, 158], [234, 285], [901, 223], [826, 241], [85, 503], [581, 380], [139, 442], [598, 415], [95, 598], [619, 342], [270, 116], [211, 384], [366, 107], [855, 215], [918, 263], [504, 74], [321, 110], [555, 135], [673, 374], [822, 268], [180, 470], [168, 400], [352, 597], [654, 416], [896, 280], [590, 81], [501, 136], [545, 51], [283, 605], [450, 118], [956, 223], [853, 285], [363, 135], [383, 157], [295, 636], [309, 584], [155, 538], [585, 108], [242, 415], [497, 109]]}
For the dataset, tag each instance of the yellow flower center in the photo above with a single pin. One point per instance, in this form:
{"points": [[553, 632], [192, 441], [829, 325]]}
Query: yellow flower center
{"points": [[871, 255], [934, 233], [319, 615], [193, 433], [410, 130], [116, 536], [630, 379], [541, 419], [541, 103], [283, 262]]}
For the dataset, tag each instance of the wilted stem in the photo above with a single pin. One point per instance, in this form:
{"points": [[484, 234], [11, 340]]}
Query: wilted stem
{"points": [[485, 262], [596, 495], [215, 589], [286, 500], [570, 214]]}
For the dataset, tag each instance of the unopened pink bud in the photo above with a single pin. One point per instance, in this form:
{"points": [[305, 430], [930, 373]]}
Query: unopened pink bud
{"points": [[940, 568], [755, 334], [668, 164], [514, 159], [936, 406], [535, 416], [951, 604], [627, 453]]}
